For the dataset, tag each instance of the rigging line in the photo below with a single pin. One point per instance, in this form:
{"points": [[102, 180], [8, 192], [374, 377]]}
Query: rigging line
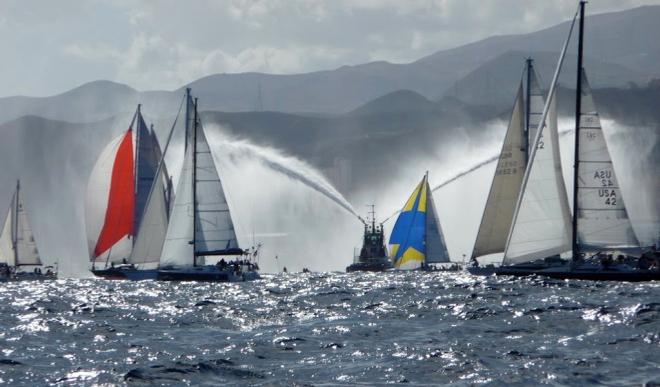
{"points": [[161, 164], [539, 130], [470, 170]]}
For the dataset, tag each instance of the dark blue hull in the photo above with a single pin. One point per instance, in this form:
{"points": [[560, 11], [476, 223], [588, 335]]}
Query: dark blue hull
{"points": [[206, 274]]}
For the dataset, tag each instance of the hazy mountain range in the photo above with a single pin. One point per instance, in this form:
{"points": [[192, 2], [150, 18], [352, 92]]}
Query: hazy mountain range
{"points": [[620, 48]]}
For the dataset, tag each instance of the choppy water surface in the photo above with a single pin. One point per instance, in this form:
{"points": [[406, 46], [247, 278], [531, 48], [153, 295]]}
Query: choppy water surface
{"points": [[327, 329]]}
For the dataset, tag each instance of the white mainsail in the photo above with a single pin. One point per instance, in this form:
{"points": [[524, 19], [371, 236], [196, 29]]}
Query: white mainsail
{"points": [[602, 219], [200, 222], [214, 231], [150, 237], [178, 247], [436, 248], [536, 105], [503, 195], [542, 224], [17, 244], [7, 238], [27, 252]]}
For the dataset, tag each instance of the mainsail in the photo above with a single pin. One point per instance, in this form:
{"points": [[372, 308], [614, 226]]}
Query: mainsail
{"points": [[417, 237], [503, 195], [7, 239], [200, 224], [118, 190], [542, 224], [17, 244], [214, 231], [602, 219]]}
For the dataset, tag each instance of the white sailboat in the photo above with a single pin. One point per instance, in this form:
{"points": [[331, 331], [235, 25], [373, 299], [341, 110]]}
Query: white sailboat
{"points": [[117, 196], [201, 225], [508, 177], [542, 227], [18, 247]]}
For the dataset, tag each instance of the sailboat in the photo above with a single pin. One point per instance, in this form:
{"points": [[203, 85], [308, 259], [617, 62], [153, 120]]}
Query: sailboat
{"points": [[507, 180], [543, 228], [201, 225], [117, 194], [18, 247], [417, 241]]}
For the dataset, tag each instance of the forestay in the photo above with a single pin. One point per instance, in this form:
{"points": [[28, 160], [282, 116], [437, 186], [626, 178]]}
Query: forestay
{"points": [[542, 223]]}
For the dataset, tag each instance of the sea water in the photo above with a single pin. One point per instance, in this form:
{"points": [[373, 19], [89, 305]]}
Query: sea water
{"points": [[329, 329]]}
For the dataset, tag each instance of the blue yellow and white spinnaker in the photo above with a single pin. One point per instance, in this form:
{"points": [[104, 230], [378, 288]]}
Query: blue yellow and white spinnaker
{"points": [[416, 240]]}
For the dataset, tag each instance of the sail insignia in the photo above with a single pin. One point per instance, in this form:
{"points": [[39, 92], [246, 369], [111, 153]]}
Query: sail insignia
{"points": [[507, 180], [602, 219]]}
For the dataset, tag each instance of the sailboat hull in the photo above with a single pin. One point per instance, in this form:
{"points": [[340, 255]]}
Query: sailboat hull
{"points": [[373, 266], [207, 273], [126, 273], [27, 276], [620, 273]]}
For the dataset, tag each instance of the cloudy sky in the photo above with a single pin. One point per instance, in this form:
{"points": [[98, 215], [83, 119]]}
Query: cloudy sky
{"points": [[51, 46]]}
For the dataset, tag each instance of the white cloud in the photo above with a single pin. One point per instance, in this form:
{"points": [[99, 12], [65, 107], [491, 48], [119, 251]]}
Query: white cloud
{"points": [[168, 43]]}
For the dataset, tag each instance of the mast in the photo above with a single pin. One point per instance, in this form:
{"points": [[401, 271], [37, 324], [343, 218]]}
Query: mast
{"points": [[578, 113], [373, 217], [136, 168], [14, 220], [187, 124], [194, 183], [525, 137], [426, 231]]}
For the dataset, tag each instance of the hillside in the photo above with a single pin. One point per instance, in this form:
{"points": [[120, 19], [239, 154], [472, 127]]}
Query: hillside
{"points": [[622, 45]]}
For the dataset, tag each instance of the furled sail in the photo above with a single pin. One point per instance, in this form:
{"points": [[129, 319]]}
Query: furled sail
{"points": [[417, 237], [602, 219], [503, 195], [17, 244], [542, 224]]}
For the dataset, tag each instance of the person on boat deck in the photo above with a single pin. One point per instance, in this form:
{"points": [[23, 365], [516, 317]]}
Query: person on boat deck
{"points": [[606, 260], [112, 265], [124, 261]]}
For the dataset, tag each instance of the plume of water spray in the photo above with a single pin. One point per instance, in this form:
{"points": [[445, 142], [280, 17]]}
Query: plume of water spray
{"points": [[287, 165]]}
